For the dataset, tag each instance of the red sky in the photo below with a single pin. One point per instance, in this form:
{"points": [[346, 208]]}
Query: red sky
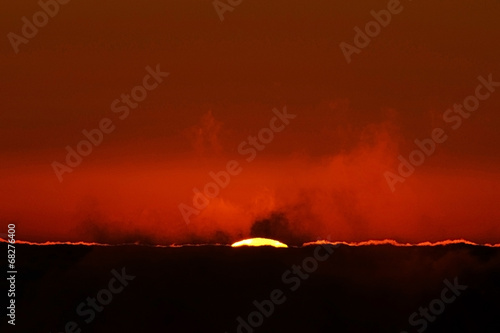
{"points": [[324, 172]]}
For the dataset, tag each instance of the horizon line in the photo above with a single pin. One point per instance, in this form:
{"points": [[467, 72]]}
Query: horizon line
{"points": [[354, 244]]}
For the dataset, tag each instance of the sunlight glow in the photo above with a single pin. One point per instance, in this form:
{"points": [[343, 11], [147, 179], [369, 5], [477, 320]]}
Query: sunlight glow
{"points": [[259, 242]]}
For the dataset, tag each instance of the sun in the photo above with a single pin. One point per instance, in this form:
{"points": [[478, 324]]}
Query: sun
{"points": [[259, 242]]}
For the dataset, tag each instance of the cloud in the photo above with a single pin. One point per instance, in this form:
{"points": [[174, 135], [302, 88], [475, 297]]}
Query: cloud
{"points": [[204, 136]]}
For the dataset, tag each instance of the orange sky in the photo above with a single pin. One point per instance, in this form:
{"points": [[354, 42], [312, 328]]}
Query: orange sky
{"points": [[324, 172]]}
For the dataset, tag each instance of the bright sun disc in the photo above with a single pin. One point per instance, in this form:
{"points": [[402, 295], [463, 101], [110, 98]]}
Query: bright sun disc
{"points": [[259, 242]]}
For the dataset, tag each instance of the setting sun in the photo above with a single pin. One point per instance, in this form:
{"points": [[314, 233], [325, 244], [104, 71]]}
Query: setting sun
{"points": [[259, 242]]}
